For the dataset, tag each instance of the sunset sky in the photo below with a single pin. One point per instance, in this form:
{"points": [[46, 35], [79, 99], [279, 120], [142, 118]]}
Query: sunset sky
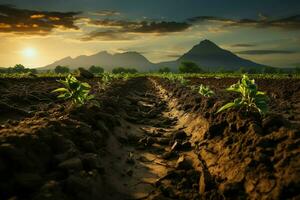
{"points": [[38, 32]]}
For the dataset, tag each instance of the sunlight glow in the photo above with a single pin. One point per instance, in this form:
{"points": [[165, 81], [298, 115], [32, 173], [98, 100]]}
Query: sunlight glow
{"points": [[29, 53]]}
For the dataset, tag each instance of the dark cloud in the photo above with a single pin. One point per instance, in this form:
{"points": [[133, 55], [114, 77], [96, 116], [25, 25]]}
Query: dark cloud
{"points": [[265, 52], [143, 26], [243, 45], [107, 35], [121, 29], [288, 23], [106, 13], [206, 18], [32, 22], [161, 27], [114, 23]]}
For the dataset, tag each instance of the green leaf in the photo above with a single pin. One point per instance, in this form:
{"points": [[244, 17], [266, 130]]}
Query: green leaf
{"points": [[90, 97], [62, 96], [226, 106], [260, 93], [262, 108], [237, 101], [61, 90], [86, 85]]}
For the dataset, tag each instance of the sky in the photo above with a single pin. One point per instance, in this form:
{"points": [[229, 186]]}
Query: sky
{"points": [[36, 33]]}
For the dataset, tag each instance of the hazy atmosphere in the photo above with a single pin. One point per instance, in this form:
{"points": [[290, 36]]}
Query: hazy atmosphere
{"points": [[37, 33]]}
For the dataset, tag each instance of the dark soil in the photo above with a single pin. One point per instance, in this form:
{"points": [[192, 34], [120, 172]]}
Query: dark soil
{"points": [[149, 139]]}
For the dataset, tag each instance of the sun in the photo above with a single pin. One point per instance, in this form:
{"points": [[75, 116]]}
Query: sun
{"points": [[29, 52]]}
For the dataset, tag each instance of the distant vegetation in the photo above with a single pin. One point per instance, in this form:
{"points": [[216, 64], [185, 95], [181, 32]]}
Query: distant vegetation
{"points": [[17, 69], [189, 67], [164, 70], [119, 70], [185, 67], [61, 69], [96, 70]]}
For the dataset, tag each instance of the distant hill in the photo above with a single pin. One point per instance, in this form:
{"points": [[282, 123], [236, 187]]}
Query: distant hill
{"points": [[206, 54], [105, 60]]}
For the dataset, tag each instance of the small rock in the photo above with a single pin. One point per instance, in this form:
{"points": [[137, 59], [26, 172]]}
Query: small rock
{"points": [[169, 155], [71, 164], [183, 163], [180, 135], [215, 130], [91, 161], [186, 146]]}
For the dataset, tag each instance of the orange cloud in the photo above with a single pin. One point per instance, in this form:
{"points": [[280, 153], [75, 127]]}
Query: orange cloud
{"points": [[31, 22]]}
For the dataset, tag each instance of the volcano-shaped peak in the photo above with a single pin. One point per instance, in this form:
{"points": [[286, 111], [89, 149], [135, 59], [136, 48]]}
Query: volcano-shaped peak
{"points": [[206, 45]]}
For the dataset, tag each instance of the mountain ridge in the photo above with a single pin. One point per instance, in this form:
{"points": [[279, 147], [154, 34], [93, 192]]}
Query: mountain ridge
{"points": [[206, 54]]}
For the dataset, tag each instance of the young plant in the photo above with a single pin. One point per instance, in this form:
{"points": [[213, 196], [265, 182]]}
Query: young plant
{"points": [[74, 90], [106, 79], [126, 77], [205, 91], [183, 81], [250, 98]]}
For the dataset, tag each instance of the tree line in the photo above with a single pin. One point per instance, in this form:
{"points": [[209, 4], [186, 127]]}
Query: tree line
{"points": [[185, 67], [17, 69], [96, 70]]}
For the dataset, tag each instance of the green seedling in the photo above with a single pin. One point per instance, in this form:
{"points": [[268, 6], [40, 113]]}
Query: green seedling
{"points": [[106, 79], [74, 90], [205, 91], [183, 81], [250, 98]]}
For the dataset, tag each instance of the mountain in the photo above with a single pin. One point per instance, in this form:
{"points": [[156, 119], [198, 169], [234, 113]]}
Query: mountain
{"points": [[211, 57], [106, 60], [206, 54]]}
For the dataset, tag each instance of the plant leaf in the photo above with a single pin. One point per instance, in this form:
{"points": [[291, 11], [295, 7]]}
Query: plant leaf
{"points": [[226, 106], [86, 85], [61, 90]]}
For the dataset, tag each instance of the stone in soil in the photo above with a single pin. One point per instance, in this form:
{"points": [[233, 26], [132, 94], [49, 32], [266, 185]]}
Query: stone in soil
{"points": [[183, 163], [71, 164]]}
